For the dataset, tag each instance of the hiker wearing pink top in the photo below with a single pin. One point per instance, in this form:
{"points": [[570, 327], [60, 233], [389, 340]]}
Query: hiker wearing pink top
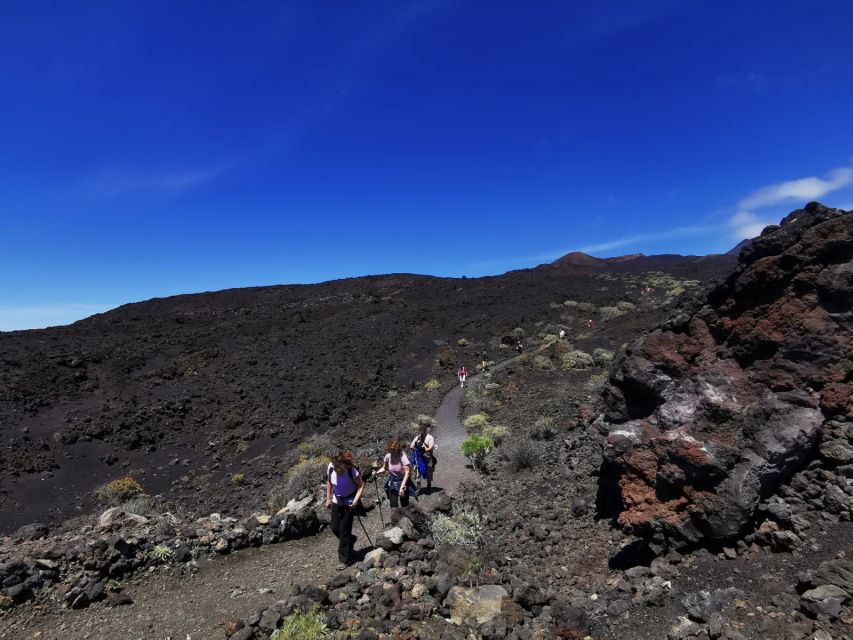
{"points": [[462, 373], [590, 324]]}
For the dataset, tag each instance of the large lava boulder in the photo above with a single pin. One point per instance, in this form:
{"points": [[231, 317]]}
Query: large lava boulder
{"points": [[714, 409]]}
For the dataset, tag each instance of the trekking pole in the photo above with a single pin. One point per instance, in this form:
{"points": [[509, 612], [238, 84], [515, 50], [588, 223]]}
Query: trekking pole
{"points": [[367, 535], [378, 495]]}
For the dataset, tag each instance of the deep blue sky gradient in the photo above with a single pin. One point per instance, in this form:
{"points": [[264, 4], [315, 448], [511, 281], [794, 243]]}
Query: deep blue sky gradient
{"points": [[153, 148]]}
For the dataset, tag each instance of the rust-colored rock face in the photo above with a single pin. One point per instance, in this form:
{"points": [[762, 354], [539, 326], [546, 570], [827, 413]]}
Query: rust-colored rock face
{"points": [[714, 409]]}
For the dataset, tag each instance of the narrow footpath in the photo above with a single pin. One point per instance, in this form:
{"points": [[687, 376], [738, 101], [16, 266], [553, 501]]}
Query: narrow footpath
{"points": [[172, 606]]}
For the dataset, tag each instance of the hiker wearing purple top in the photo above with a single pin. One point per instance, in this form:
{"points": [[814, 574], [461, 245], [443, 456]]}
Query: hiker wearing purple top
{"points": [[344, 487]]}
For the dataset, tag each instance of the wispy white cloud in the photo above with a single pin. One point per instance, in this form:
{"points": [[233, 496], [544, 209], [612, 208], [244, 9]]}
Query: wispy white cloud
{"points": [[116, 181], [746, 223], [14, 317]]}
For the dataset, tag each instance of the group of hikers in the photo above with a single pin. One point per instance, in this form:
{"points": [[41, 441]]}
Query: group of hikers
{"points": [[345, 486]]}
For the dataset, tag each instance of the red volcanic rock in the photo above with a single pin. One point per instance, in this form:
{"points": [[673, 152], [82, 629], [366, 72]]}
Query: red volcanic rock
{"points": [[713, 410]]}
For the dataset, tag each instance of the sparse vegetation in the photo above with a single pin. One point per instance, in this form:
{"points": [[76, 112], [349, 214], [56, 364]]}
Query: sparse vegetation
{"points": [[461, 529], [424, 421], [315, 446], [6, 602], [543, 362], [432, 385], [577, 360], [238, 478], [497, 433], [476, 422], [521, 453], [118, 491], [303, 625], [602, 357], [610, 313], [543, 429], [162, 553], [112, 585], [302, 479], [518, 333], [462, 342], [477, 448]]}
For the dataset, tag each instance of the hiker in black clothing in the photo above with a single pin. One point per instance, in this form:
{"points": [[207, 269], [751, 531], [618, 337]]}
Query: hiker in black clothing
{"points": [[344, 487], [485, 357], [424, 443]]}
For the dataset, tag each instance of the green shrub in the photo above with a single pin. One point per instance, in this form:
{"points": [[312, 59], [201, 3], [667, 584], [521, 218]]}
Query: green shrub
{"points": [[626, 307], [477, 448], [162, 553], [521, 453], [118, 491], [543, 429], [432, 385], [518, 333], [610, 313], [543, 362], [577, 360], [602, 357], [6, 602], [462, 342], [570, 303], [550, 338], [315, 446], [497, 433], [303, 625], [425, 421], [462, 529], [238, 478], [476, 422]]}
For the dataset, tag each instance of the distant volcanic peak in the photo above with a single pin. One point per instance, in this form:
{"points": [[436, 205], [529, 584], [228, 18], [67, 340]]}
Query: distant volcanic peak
{"points": [[735, 251], [580, 259]]}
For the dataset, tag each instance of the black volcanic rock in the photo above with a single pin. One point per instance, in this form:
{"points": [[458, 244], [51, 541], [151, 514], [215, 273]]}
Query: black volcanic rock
{"points": [[713, 410]]}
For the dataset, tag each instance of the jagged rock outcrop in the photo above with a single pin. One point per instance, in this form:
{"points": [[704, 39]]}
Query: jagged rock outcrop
{"points": [[714, 409]]}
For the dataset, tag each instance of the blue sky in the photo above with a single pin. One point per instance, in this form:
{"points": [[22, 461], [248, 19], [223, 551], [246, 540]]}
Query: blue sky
{"points": [[154, 148]]}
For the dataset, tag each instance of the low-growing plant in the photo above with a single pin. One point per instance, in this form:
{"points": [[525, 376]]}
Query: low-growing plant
{"points": [[238, 478], [543, 428], [140, 505], [6, 602], [462, 342], [425, 421], [303, 625], [491, 387], [518, 333], [497, 433], [476, 422], [315, 446], [162, 553], [602, 357], [477, 448], [432, 385], [461, 529], [521, 453], [112, 585], [118, 491], [610, 313], [543, 362], [577, 360]]}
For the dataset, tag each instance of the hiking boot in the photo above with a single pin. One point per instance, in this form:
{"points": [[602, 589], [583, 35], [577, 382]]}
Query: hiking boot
{"points": [[341, 566]]}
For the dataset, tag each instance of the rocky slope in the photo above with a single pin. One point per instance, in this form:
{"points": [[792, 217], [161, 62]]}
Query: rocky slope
{"points": [[709, 413]]}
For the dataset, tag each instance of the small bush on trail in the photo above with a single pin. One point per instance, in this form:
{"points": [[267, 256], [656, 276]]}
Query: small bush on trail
{"points": [[521, 453], [518, 333], [476, 422], [577, 360], [303, 625], [462, 342], [238, 478], [497, 433], [477, 448], [543, 429], [425, 421], [462, 529], [602, 357], [162, 553], [610, 313], [543, 362], [6, 602], [118, 491], [432, 385]]}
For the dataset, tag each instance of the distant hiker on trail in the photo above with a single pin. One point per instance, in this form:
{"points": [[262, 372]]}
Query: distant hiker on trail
{"points": [[562, 333], [462, 374], [424, 445], [590, 324], [485, 358], [396, 465], [519, 347], [344, 487]]}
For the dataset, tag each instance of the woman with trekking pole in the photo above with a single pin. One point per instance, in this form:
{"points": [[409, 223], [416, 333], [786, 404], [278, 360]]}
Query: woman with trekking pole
{"points": [[396, 465], [344, 488]]}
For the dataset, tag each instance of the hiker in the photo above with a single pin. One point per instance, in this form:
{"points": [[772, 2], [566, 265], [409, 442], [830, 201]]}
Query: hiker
{"points": [[462, 373], [590, 324], [562, 333], [344, 487], [396, 465], [424, 444], [485, 358], [519, 347]]}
